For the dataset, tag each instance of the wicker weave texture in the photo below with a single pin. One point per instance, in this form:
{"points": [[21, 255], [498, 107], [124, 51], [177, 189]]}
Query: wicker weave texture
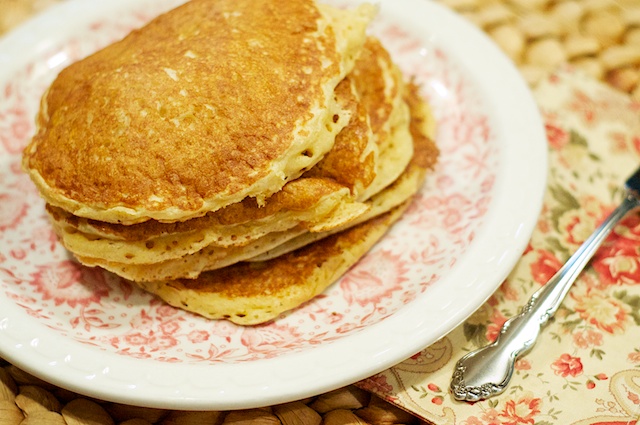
{"points": [[601, 37]]}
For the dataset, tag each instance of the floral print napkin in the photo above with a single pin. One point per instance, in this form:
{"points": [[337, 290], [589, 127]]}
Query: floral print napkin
{"points": [[585, 368]]}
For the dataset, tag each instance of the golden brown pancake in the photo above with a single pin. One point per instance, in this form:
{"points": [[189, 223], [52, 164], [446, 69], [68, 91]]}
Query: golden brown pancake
{"points": [[381, 87], [308, 203], [422, 129], [211, 103], [351, 164], [254, 293], [278, 243], [250, 293], [192, 265], [266, 140], [315, 202]]}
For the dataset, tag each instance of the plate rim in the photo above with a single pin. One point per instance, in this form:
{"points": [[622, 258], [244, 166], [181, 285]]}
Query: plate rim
{"points": [[142, 387]]}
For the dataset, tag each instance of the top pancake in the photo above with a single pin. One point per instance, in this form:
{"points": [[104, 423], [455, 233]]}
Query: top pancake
{"points": [[274, 245], [208, 104], [317, 201]]}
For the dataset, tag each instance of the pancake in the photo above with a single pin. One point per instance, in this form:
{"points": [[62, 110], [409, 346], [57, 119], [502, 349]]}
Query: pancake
{"points": [[175, 246], [233, 157], [422, 129], [350, 164], [381, 87], [317, 202], [279, 243], [207, 105], [254, 293], [250, 293], [192, 265]]}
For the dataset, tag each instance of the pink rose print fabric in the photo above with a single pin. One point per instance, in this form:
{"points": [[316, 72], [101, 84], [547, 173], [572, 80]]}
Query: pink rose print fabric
{"points": [[585, 368]]}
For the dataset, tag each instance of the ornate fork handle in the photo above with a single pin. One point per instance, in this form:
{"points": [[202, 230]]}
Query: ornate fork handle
{"points": [[487, 371]]}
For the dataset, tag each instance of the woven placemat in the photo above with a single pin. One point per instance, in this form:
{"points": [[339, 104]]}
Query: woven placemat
{"points": [[601, 37], [27, 400]]}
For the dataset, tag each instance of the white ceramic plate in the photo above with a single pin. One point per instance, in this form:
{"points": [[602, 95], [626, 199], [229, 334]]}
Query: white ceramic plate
{"points": [[89, 331]]}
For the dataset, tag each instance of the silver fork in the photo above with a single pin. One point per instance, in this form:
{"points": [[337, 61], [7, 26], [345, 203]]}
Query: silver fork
{"points": [[487, 371]]}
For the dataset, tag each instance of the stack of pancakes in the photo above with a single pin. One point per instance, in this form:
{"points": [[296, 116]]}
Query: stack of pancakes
{"points": [[234, 157]]}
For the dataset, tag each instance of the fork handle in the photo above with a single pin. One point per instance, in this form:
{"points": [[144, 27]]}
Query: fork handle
{"points": [[487, 371]]}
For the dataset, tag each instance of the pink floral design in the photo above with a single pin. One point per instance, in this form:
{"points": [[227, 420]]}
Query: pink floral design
{"points": [[602, 311], [587, 339], [21, 129], [634, 357], [472, 420], [18, 253], [374, 279], [470, 127], [521, 411], [523, 364], [508, 291], [45, 235], [170, 327], [142, 321], [577, 224], [491, 417], [451, 210], [69, 283], [166, 311], [223, 329], [12, 210], [545, 267], [618, 263], [136, 338], [198, 336], [149, 343], [567, 365], [556, 136], [269, 339], [497, 320], [161, 342], [20, 125]]}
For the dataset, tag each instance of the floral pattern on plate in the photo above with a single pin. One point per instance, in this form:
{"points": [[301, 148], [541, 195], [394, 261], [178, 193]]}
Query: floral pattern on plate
{"points": [[585, 368], [96, 308]]}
